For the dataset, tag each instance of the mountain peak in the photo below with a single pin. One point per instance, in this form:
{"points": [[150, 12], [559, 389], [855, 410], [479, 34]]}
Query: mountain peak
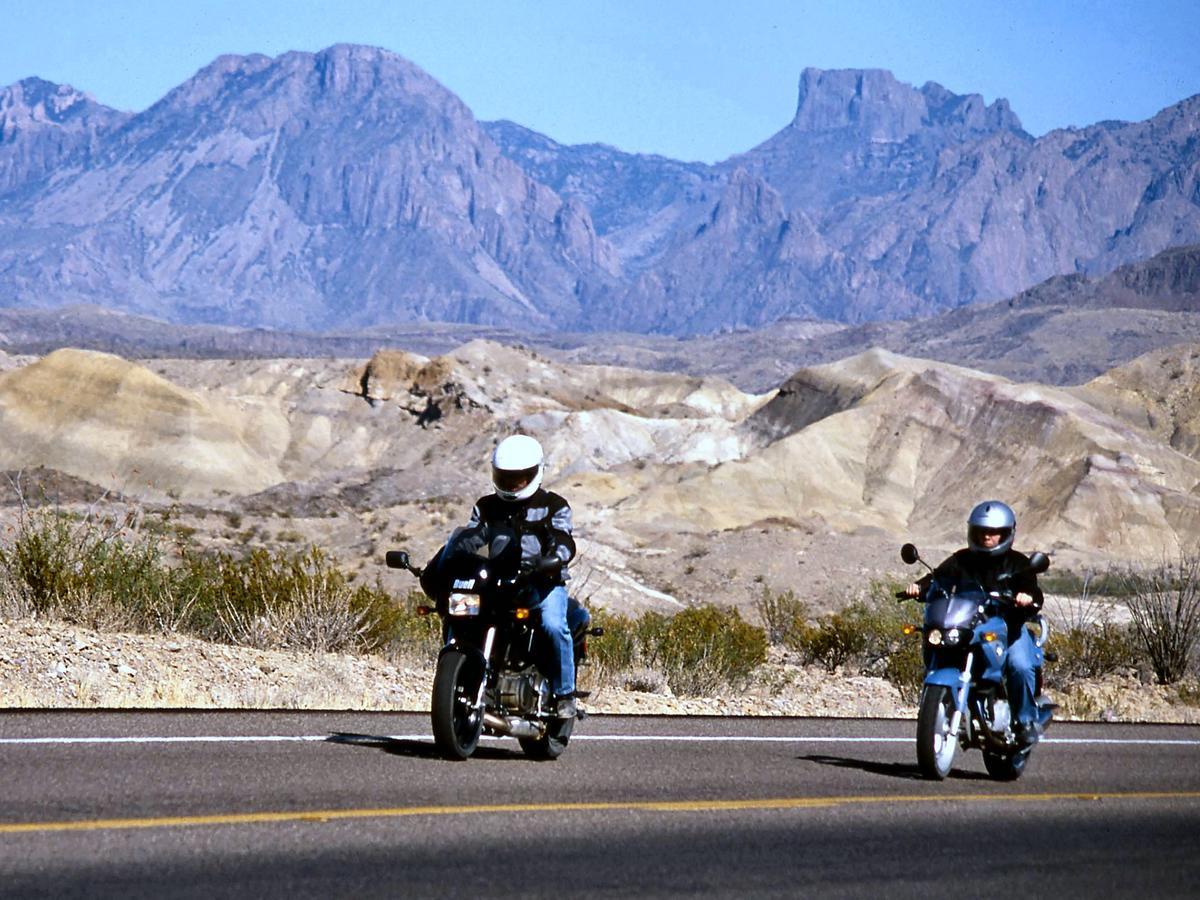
{"points": [[33, 102], [43, 124], [343, 72], [874, 103]]}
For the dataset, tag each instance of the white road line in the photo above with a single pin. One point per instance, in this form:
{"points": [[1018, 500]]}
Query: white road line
{"points": [[615, 738]]}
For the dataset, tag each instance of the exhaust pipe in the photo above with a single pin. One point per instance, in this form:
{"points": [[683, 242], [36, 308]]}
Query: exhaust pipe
{"points": [[518, 728]]}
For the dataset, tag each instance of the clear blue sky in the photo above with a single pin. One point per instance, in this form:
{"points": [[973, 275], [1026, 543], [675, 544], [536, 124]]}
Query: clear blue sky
{"points": [[691, 79]]}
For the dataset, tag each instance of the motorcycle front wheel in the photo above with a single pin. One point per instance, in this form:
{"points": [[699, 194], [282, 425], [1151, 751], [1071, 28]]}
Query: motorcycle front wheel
{"points": [[457, 724], [936, 746]]}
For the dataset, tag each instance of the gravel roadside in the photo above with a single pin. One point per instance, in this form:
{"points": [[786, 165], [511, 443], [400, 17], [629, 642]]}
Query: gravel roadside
{"points": [[52, 665]]}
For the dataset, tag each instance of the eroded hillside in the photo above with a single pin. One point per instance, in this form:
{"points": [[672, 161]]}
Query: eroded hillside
{"points": [[684, 488]]}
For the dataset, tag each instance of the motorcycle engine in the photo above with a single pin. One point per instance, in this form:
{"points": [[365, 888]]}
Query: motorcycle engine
{"points": [[519, 690], [1001, 717]]}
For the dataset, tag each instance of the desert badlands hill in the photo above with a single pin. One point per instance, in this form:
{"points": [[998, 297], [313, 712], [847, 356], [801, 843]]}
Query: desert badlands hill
{"points": [[684, 488]]}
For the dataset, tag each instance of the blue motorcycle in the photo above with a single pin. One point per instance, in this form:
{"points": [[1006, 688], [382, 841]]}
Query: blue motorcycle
{"points": [[964, 701]]}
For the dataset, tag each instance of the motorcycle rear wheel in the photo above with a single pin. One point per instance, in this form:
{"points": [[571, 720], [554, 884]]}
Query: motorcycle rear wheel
{"points": [[1005, 768], [936, 746], [551, 744], [457, 724]]}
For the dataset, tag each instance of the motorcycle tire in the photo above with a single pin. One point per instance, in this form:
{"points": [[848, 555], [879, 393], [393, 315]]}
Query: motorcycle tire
{"points": [[552, 744], [936, 746], [457, 725], [1005, 768]]}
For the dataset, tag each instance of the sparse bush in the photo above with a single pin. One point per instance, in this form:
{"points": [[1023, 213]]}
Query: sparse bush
{"points": [[867, 635], [82, 570], [106, 575], [837, 639], [1091, 651], [1189, 692], [409, 634], [706, 647], [695, 651], [1164, 603], [862, 635], [905, 667], [784, 616], [617, 651], [1066, 581]]}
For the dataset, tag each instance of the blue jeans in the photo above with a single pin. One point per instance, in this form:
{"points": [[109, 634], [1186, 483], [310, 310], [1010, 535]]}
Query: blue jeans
{"points": [[1021, 663], [557, 620]]}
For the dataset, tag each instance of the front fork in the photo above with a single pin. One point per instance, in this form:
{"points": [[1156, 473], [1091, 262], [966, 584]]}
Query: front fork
{"points": [[488, 640], [960, 696]]}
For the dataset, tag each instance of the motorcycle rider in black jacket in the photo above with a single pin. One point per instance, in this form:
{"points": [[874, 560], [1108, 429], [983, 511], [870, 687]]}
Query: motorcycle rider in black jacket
{"points": [[989, 561], [542, 518]]}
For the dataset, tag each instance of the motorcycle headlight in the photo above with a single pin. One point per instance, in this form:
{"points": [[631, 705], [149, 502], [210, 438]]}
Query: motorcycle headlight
{"points": [[463, 605], [935, 636], [952, 637]]}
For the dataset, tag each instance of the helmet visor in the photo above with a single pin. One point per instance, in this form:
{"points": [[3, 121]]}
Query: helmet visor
{"points": [[513, 480], [982, 536]]}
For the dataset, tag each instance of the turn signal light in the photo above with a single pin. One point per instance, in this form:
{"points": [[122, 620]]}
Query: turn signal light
{"points": [[989, 636], [908, 628], [521, 614]]}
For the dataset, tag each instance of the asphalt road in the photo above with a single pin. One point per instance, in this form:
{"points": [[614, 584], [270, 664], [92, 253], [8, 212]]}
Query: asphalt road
{"points": [[339, 804]]}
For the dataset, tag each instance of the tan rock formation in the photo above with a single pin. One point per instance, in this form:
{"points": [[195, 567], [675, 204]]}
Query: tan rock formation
{"points": [[1158, 393], [100, 418], [908, 446]]}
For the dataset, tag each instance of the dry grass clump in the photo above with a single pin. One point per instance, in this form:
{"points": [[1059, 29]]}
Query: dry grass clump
{"points": [[695, 652], [865, 636], [109, 574]]}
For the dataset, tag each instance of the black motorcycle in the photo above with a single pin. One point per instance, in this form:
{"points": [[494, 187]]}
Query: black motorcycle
{"points": [[490, 673]]}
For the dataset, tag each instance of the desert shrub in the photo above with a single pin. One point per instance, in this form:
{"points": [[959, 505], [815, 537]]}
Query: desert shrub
{"points": [[784, 615], [296, 601], [1189, 692], [695, 651], [617, 657], [408, 633], [905, 667], [866, 635], [703, 648], [1091, 651], [863, 635], [106, 574], [1164, 605], [84, 570], [617, 651]]}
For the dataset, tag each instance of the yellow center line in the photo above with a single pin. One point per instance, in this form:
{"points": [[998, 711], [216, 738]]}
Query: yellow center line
{"points": [[330, 815]]}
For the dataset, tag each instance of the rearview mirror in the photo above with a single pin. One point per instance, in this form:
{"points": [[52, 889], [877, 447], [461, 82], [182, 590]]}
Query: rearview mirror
{"points": [[1038, 562], [909, 554], [396, 559]]}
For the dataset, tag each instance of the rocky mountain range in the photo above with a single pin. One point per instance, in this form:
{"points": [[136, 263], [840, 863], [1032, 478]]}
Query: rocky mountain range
{"points": [[348, 188]]}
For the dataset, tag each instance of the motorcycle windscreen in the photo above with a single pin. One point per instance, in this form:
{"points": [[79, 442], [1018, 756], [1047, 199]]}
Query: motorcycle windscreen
{"points": [[955, 611]]}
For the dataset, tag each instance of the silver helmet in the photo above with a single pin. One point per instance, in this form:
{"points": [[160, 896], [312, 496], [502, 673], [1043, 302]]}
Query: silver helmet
{"points": [[988, 516]]}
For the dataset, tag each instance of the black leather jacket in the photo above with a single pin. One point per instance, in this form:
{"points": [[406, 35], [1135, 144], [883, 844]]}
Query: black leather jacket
{"points": [[544, 523], [985, 570]]}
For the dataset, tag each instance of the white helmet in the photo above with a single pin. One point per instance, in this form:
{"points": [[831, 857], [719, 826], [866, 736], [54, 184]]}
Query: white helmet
{"points": [[517, 467], [991, 515]]}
